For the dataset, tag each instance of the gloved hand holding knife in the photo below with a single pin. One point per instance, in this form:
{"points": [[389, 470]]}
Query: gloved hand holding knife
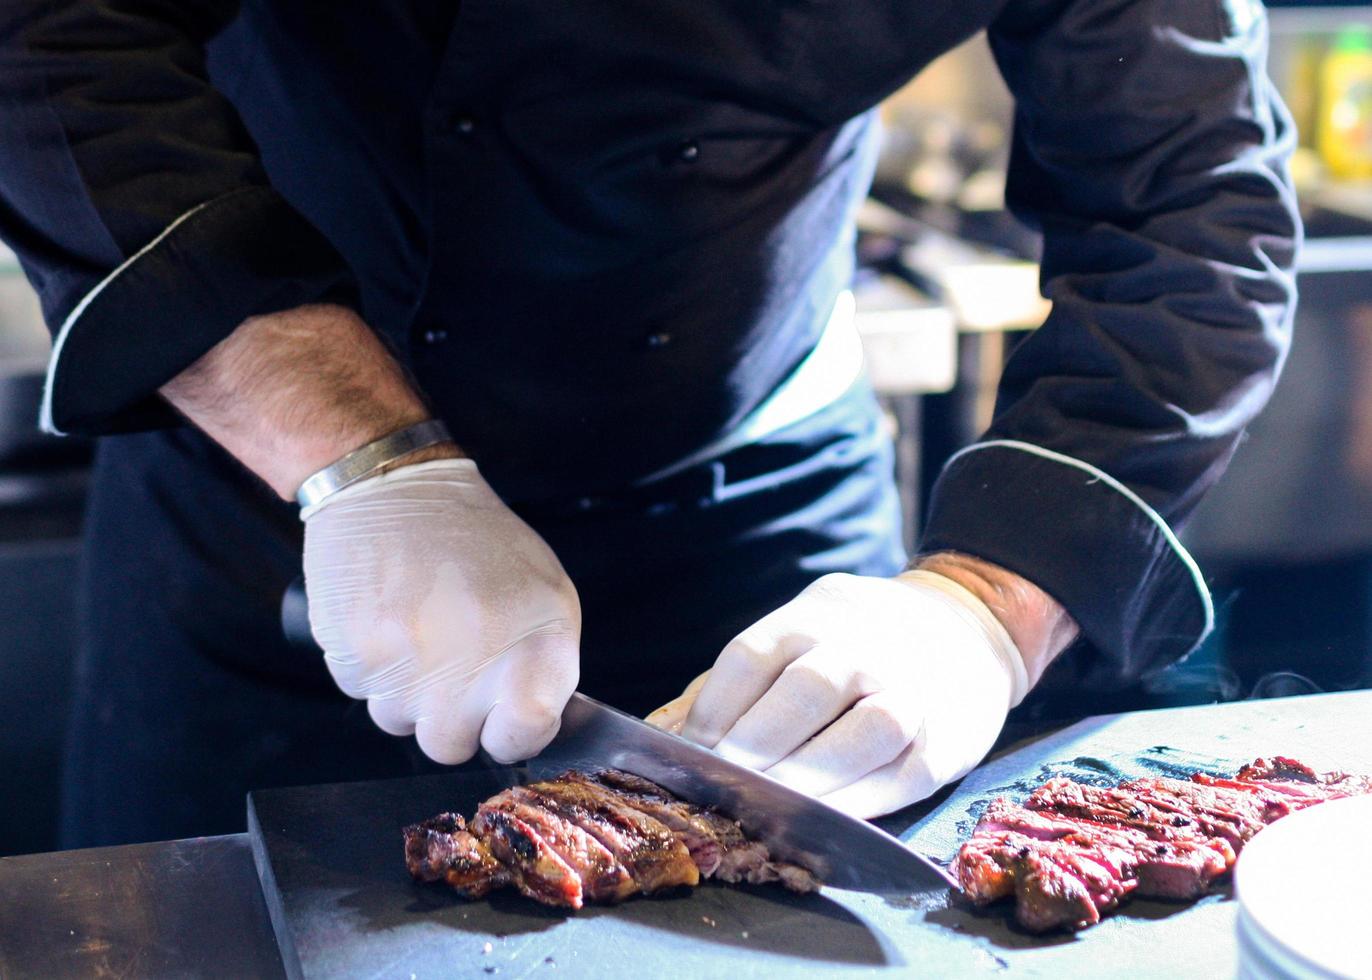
{"points": [[443, 609], [431, 599]]}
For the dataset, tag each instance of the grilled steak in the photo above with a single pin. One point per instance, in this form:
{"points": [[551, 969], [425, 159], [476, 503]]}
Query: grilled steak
{"points": [[1073, 852], [590, 837]]}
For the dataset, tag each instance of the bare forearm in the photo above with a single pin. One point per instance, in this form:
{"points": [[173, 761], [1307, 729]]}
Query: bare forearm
{"points": [[1040, 628], [291, 392]]}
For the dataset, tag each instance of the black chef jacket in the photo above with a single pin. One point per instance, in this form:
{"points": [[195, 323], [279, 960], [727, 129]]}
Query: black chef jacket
{"points": [[601, 232]]}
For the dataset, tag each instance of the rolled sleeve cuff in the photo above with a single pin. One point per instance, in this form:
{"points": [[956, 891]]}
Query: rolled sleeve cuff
{"points": [[1084, 538], [243, 254]]}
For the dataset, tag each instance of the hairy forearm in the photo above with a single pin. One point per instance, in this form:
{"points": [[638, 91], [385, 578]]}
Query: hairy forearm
{"points": [[1040, 628], [291, 392]]}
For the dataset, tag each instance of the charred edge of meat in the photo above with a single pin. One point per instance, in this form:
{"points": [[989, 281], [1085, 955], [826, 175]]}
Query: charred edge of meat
{"points": [[442, 849]]}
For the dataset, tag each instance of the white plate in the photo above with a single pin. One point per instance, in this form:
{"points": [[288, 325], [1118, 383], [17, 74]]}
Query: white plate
{"points": [[1305, 894]]}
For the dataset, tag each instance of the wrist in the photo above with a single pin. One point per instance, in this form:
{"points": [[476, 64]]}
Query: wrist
{"points": [[393, 451], [290, 393], [1037, 624]]}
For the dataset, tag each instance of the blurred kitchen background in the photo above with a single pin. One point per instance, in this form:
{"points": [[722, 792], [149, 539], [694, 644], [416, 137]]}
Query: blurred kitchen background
{"points": [[947, 288]]}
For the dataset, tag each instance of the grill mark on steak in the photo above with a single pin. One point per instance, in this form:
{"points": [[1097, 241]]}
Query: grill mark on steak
{"points": [[1072, 845]]}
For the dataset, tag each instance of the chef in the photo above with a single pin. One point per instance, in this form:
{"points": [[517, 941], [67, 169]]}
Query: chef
{"points": [[520, 328]]}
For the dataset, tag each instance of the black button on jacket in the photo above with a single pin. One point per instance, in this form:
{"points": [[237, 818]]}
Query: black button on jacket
{"points": [[527, 197]]}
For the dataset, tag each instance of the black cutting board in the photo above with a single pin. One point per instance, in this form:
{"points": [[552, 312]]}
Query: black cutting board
{"points": [[332, 869]]}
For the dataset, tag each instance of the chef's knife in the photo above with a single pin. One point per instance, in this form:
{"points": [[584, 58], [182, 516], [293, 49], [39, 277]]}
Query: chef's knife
{"points": [[842, 851]]}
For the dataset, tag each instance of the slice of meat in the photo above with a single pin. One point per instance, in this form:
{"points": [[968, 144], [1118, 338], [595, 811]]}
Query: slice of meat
{"points": [[706, 835], [651, 853], [1280, 769], [1220, 812], [522, 848], [1048, 896], [1162, 812], [985, 865], [716, 844], [1179, 868], [442, 849], [603, 879]]}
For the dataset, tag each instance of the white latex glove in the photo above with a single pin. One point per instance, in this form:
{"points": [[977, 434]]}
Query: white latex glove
{"points": [[868, 693], [443, 609]]}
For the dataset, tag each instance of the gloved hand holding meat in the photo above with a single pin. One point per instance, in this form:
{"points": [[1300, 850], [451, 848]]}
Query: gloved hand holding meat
{"points": [[436, 603], [871, 693]]}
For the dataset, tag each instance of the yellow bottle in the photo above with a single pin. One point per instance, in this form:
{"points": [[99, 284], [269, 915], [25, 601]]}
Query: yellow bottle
{"points": [[1345, 123]]}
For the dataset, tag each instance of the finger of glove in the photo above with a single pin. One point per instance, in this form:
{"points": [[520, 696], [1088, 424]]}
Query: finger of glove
{"points": [[449, 729], [537, 677], [743, 673], [672, 715], [866, 737], [808, 694], [391, 716]]}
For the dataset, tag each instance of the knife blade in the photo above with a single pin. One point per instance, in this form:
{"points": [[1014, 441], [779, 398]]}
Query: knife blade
{"points": [[842, 851]]}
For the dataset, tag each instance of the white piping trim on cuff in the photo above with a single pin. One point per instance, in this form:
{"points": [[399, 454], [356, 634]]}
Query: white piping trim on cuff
{"points": [[1116, 485], [45, 413]]}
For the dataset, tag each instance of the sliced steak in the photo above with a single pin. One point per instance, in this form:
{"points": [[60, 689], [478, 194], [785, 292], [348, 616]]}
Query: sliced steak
{"points": [[1179, 868], [1071, 845], [1162, 812], [442, 849], [716, 844], [522, 847], [597, 837], [705, 834], [1233, 815], [642, 844], [603, 879]]}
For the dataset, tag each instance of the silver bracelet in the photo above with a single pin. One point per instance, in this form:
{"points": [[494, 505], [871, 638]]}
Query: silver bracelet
{"points": [[367, 460]]}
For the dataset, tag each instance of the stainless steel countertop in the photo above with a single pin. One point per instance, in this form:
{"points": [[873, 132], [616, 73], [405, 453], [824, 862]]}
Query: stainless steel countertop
{"points": [[187, 908]]}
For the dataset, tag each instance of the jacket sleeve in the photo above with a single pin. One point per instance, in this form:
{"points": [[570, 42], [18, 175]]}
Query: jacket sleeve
{"points": [[1151, 150], [136, 202]]}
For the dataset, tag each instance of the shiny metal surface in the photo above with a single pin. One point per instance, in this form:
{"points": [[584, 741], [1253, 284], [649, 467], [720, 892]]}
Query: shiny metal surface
{"points": [[187, 908], [843, 851]]}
